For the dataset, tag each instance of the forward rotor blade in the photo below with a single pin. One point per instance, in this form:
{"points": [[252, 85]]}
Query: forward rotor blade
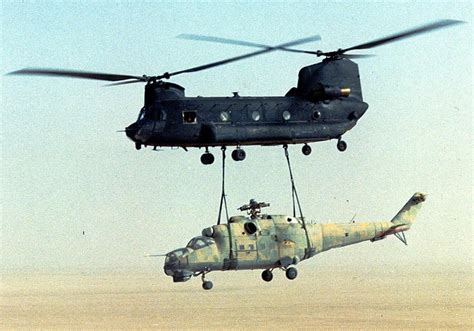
{"points": [[76, 74], [220, 40], [245, 56], [405, 34], [240, 42]]}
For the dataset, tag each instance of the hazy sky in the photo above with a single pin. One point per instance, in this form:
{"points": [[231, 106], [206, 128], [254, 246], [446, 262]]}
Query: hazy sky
{"points": [[66, 170]]}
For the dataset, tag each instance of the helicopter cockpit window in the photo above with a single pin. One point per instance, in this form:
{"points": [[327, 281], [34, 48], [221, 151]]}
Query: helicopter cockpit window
{"points": [[141, 115], [200, 242], [173, 256], [189, 117]]}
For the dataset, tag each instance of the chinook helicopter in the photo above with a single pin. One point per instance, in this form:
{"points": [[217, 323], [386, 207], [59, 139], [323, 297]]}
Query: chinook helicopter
{"points": [[269, 242], [326, 103]]}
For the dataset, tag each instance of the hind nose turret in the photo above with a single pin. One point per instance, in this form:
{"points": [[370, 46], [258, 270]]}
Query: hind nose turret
{"points": [[176, 264]]}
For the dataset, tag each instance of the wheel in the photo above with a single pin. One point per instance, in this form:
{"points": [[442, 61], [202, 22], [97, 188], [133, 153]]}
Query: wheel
{"points": [[207, 285], [267, 275], [341, 145], [291, 273], [306, 149], [138, 146], [207, 158], [238, 154]]}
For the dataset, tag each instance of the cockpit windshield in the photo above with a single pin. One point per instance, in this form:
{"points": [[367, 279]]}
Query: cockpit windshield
{"points": [[174, 255], [154, 114], [199, 242], [141, 115]]}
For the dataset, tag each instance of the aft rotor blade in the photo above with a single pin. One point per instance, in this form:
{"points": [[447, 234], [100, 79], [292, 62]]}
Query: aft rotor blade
{"points": [[240, 42], [76, 74], [125, 82], [405, 34], [245, 56], [357, 56]]}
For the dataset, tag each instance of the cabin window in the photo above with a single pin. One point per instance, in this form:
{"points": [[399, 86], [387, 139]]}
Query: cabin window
{"points": [[286, 115], [256, 115], [225, 116], [189, 117], [316, 115], [251, 247]]}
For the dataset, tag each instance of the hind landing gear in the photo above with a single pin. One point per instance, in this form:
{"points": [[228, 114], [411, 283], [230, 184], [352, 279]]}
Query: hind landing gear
{"points": [[206, 284], [291, 273], [267, 275]]}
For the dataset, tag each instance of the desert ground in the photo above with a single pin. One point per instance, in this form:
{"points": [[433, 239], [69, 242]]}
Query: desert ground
{"points": [[376, 297]]}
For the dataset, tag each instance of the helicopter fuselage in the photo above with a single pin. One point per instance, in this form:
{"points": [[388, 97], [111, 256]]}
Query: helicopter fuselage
{"points": [[326, 103], [235, 121], [275, 242]]}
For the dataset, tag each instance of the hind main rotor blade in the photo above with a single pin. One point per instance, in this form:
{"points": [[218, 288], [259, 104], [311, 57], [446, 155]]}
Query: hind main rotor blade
{"points": [[402, 35], [76, 74], [245, 56]]}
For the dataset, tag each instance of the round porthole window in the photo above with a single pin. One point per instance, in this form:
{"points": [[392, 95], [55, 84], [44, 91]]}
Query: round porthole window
{"points": [[225, 116], [286, 115], [316, 115], [256, 115]]}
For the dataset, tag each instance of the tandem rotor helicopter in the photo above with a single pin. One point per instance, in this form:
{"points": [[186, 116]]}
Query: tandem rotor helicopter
{"points": [[326, 103]]}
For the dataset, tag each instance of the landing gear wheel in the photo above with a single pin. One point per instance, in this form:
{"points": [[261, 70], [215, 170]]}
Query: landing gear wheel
{"points": [[207, 158], [267, 275], [291, 273], [306, 149], [238, 154], [207, 285], [138, 146], [341, 145]]}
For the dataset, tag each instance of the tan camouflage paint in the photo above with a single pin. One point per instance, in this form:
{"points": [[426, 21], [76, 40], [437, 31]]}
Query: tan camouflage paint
{"points": [[280, 241]]}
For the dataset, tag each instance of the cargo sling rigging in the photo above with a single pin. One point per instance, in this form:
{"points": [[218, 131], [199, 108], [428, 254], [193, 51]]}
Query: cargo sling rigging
{"points": [[296, 201], [294, 193], [223, 202]]}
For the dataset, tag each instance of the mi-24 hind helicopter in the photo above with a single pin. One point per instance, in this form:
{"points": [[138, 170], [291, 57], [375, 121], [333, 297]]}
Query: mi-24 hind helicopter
{"points": [[271, 242], [326, 103]]}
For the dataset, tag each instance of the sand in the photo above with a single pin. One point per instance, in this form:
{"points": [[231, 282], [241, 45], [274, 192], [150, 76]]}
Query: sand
{"points": [[320, 298]]}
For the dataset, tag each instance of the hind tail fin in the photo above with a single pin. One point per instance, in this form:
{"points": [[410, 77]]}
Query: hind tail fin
{"points": [[406, 216]]}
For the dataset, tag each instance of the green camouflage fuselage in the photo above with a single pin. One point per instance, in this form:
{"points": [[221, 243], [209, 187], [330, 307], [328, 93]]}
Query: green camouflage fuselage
{"points": [[275, 241]]}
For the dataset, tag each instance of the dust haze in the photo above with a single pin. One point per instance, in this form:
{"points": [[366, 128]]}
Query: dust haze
{"points": [[345, 297]]}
